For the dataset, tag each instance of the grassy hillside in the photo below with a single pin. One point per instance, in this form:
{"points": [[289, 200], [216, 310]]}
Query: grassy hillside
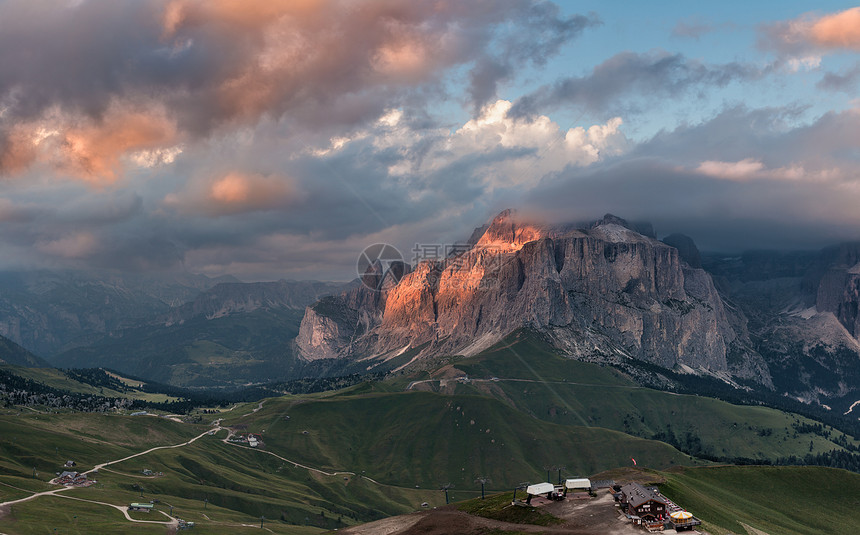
{"points": [[338, 458], [220, 486], [498, 507], [556, 389], [15, 355], [776, 500], [425, 439], [54, 378], [376, 449], [46, 441], [255, 483]]}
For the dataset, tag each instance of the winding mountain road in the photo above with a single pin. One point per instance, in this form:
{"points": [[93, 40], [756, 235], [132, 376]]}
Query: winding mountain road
{"points": [[296, 464], [124, 510], [172, 522], [150, 450], [55, 492]]}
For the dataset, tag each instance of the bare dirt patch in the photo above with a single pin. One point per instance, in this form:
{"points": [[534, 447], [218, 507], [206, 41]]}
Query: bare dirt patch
{"points": [[629, 474], [596, 516], [386, 526]]}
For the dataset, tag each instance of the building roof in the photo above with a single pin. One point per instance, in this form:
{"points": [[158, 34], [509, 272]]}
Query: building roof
{"points": [[540, 488], [144, 505], [579, 483], [635, 495], [603, 483]]}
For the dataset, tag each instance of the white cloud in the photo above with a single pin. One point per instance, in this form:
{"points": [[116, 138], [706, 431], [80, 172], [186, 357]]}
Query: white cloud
{"points": [[804, 63], [154, 157], [535, 146], [752, 169], [742, 170], [517, 151]]}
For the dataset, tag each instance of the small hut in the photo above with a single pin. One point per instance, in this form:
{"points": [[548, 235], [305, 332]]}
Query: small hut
{"points": [[538, 489]]}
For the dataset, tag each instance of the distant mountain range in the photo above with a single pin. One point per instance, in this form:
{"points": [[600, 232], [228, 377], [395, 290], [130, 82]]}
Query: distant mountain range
{"points": [[187, 330], [49, 312], [606, 292], [801, 312]]}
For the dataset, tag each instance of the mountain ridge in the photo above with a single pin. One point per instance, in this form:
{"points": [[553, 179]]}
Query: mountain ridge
{"points": [[606, 289]]}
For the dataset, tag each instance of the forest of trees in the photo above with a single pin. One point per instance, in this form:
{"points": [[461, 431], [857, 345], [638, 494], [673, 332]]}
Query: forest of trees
{"points": [[17, 390]]}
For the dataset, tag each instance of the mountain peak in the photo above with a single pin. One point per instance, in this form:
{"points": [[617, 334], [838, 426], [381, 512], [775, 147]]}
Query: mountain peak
{"points": [[508, 233], [610, 219], [686, 248], [643, 228]]}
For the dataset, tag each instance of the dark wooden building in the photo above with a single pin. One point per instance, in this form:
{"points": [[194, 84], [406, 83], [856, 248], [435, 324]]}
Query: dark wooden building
{"points": [[643, 503]]}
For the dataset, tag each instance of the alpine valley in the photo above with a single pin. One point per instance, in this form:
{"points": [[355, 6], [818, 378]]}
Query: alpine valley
{"points": [[537, 348]]}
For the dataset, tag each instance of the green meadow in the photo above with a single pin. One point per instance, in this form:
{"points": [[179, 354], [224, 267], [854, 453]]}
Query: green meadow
{"points": [[785, 500], [376, 449]]}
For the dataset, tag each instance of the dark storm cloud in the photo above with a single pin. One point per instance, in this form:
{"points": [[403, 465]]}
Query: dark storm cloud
{"points": [[234, 97], [108, 209], [97, 80], [709, 181], [140, 251], [720, 215], [772, 135], [75, 57], [260, 138], [70, 228], [541, 32], [632, 76]]}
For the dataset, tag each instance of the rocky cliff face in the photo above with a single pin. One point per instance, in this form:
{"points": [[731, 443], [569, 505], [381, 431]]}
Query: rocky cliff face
{"points": [[604, 291], [838, 290], [802, 318]]}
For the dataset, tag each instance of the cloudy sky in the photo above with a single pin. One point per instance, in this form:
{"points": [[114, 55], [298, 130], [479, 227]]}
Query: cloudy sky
{"points": [[279, 138]]}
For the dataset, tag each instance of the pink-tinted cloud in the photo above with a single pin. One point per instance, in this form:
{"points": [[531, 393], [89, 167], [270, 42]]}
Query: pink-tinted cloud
{"points": [[811, 32], [107, 80], [93, 151], [235, 193], [17, 150], [840, 30], [79, 245], [742, 170], [87, 149], [752, 169]]}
